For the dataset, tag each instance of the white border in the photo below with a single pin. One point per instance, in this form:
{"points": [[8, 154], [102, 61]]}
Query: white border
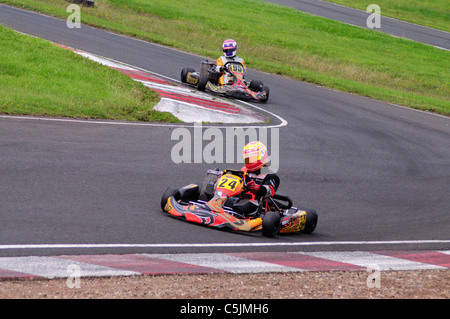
{"points": [[226, 245]]}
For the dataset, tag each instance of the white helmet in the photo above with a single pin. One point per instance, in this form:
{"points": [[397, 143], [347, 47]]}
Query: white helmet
{"points": [[229, 48]]}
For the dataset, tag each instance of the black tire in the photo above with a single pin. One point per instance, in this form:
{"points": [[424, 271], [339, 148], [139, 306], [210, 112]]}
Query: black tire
{"points": [[271, 224], [184, 74], [202, 81], [256, 86], [311, 221], [170, 191], [265, 88]]}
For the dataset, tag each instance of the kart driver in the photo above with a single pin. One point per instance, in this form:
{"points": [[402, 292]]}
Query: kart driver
{"points": [[229, 48], [259, 185]]}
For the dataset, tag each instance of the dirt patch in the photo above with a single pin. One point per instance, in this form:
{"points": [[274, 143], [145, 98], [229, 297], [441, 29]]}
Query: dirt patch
{"points": [[427, 284]]}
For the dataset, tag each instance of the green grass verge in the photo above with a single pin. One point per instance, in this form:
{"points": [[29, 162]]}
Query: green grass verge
{"points": [[283, 41], [430, 13], [40, 78]]}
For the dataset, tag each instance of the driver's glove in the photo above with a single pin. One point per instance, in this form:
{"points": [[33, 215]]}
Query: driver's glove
{"points": [[253, 187]]}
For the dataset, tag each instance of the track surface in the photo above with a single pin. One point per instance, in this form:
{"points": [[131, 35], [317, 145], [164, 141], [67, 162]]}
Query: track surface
{"points": [[373, 171], [358, 18]]}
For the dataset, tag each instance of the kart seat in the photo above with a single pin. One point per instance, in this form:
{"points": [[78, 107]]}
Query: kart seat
{"points": [[245, 207]]}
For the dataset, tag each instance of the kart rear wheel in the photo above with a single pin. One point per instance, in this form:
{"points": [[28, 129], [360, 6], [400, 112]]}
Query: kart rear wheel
{"points": [[311, 221], [170, 191], [271, 224], [184, 74]]}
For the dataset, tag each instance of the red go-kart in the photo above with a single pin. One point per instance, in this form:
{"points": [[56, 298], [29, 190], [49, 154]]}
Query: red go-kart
{"points": [[213, 203]]}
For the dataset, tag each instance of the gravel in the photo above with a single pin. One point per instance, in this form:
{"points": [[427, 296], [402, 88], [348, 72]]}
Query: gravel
{"points": [[426, 284]]}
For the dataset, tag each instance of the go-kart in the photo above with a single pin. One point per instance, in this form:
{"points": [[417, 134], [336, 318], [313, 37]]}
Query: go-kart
{"points": [[213, 203], [235, 85]]}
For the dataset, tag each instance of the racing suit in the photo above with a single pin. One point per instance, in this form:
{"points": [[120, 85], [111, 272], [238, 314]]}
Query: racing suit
{"points": [[260, 185], [221, 61], [266, 184]]}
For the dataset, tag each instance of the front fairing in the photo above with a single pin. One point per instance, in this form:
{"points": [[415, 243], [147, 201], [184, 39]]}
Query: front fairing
{"points": [[205, 215], [197, 213], [234, 91], [236, 86]]}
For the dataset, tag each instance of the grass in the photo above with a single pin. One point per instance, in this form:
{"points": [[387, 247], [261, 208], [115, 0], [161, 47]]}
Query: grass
{"points": [[430, 13], [40, 78], [282, 41]]}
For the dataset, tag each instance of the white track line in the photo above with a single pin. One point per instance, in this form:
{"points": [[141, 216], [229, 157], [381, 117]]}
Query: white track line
{"points": [[216, 245]]}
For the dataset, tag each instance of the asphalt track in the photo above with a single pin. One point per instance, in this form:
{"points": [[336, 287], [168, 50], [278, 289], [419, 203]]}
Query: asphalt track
{"points": [[376, 173], [358, 18]]}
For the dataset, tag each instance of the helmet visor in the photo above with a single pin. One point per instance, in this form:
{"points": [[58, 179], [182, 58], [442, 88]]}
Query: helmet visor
{"points": [[252, 158], [229, 52]]}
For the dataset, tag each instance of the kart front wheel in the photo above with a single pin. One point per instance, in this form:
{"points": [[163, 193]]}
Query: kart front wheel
{"points": [[202, 81], [265, 89], [170, 191], [271, 224], [256, 86]]}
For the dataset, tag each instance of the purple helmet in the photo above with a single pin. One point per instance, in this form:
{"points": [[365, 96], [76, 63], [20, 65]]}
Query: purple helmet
{"points": [[229, 48]]}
